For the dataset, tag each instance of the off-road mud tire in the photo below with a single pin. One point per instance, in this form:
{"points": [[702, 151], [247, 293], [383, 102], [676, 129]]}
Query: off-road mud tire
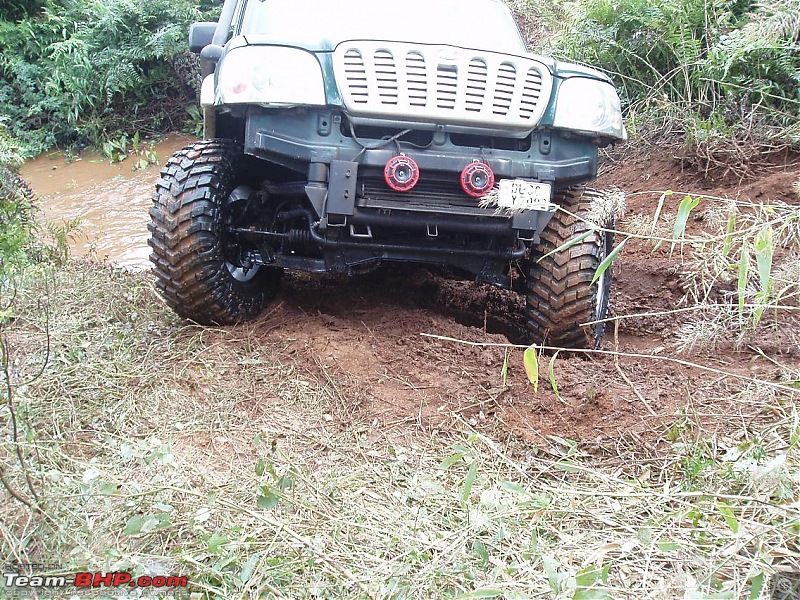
{"points": [[187, 238], [559, 289]]}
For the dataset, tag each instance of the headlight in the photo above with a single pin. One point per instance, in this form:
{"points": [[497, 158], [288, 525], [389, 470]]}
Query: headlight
{"points": [[589, 106], [270, 75]]}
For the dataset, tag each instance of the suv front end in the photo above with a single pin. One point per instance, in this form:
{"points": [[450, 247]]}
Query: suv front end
{"points": [[361, 139]]}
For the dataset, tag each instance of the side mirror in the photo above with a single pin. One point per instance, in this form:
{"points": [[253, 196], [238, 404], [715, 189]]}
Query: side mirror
{"points": [[209, 57], [201, 35]]}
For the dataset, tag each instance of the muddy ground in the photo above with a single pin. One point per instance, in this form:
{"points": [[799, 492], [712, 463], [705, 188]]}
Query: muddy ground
{"points": [[371, 335]]}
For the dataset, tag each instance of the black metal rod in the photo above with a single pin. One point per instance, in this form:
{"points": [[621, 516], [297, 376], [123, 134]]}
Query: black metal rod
{"points": [[273, 235], [447, 224], [517, 252]]}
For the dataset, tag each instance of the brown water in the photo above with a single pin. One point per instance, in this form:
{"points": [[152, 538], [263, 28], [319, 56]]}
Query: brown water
{"points": [[111, 202]]}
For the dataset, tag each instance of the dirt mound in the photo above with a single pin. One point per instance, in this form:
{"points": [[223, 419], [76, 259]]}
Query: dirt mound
{"points": [[371, 336], [380, 339]]}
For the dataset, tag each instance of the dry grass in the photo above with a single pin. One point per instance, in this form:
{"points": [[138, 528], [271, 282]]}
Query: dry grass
{"points": [[738, 264], [162, 448]]}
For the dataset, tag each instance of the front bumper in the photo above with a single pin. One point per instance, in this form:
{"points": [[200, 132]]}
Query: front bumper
{"points": [[344, 171], [297, 137]]}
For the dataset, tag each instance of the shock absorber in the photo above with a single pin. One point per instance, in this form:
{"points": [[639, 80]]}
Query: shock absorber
{"points": [[299, 239]]}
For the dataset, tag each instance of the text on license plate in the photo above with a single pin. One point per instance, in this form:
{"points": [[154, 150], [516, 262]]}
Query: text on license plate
{"points": [[519, 194]]}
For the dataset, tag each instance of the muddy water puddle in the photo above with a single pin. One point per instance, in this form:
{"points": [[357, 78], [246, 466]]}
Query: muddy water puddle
{"points": [[110, 202]]}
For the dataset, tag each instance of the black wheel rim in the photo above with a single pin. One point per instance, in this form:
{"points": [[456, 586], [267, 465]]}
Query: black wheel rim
{"points": [[236, 205], [602, 291]]}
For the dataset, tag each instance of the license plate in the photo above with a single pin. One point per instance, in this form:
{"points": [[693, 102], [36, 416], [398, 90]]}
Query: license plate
{"points": [[518, 194]]}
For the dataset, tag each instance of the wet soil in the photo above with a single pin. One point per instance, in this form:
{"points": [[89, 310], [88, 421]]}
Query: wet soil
{"points": [[383, 342]]}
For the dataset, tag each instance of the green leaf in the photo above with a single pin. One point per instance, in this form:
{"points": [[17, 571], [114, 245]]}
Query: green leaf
{"points": [[570, 444], [608, 260], [513, 487], [756, 586], [144, 523], [667, 546], [730, 519], [469, 480], [260, 467], [687, 205], [568, 244], [552, 373], [285, 482], [135, 525], [553, 576], [216, 541], [247, 569], [726, 246], [591, 594], [764, 248], [485, 592], [108, 488], [267, 499], [567, 466], [479, 548], [588, 576], [741, 285], [451, 460], [588, 581], [162, 521], [530, 360]]}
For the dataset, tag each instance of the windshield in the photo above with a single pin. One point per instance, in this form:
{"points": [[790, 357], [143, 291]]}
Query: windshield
{"points": [[322, 24]]}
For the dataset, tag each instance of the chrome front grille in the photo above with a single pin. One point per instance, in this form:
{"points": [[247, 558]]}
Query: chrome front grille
{"points": [[441, 84]]}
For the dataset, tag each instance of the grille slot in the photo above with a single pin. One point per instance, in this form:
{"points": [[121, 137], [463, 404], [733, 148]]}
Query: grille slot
{"points": [[504, 88], [531, 92], [416, 79], [477, 74], [446, 87], [355, 75], [386, 76]]}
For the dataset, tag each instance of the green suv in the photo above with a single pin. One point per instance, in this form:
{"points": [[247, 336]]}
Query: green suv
{"points": [[338, 136]]}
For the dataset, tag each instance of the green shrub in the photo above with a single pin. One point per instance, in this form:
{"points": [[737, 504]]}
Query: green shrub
{"points": [[20, 9], [723, 62], [16, 209], [80, 68]]}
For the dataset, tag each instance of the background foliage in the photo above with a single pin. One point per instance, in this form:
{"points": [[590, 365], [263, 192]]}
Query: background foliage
{"points": [[74, 72], [715, 68], [16, 219]]}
